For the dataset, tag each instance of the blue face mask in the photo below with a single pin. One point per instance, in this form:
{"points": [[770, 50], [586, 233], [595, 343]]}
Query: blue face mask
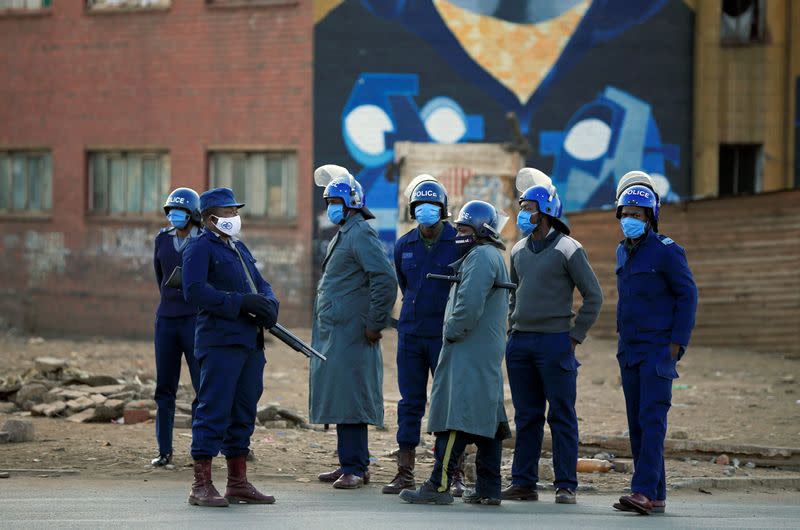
{"points": [[178, 218], [524, 222], [336, 213], [632, 228], [427, 214]]}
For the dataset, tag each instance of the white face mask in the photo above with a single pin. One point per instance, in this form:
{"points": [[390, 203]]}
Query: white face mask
{"points": [[230, 226]]}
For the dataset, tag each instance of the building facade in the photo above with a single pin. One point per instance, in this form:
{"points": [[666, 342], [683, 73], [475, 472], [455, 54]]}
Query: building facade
{"points": [[106, 106]]}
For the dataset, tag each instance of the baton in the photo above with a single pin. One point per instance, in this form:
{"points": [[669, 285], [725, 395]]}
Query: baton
{"points": [[455, 279]]}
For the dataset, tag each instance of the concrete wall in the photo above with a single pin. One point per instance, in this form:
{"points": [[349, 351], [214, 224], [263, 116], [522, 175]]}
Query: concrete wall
{"points": [[185, 80]]}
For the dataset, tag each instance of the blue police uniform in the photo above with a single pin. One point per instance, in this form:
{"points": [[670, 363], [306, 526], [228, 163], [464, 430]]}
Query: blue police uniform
{"points": [[228, 344], [420, 324], [656, 307], [174, 335]]}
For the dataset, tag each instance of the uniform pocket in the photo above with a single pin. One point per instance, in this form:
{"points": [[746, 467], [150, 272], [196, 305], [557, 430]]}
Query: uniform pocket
{"points": [[667, 369], [569, 364]]}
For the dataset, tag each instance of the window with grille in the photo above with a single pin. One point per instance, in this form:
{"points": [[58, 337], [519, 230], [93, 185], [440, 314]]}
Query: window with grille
{"points": [[265, 181], [26, 181], [25, 4], [132, 182]]}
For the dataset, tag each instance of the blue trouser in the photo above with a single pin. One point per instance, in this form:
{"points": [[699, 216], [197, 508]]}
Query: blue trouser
{"points": [[174, 338], [231, 383], [648, 397], [416, 358], [351, 443], [542, 370], [450, 445]]}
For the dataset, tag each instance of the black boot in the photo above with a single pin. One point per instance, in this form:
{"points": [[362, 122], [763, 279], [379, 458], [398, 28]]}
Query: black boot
{"points": [[457, 486], [426, 494]]}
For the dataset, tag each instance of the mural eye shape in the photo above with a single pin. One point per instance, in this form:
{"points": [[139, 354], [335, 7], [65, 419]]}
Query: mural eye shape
{"points": [[445, 121], [588, 139], [366, 126]]}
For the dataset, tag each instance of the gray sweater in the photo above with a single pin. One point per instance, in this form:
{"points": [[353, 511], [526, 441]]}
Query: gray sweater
{"points": [[545, 282]]}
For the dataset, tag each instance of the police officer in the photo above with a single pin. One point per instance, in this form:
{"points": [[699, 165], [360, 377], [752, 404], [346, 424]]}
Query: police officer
{"points": [[175, 319], [354, 299], [428, 248], [655, 317], [220, 277], [547, 266], [467, 396]]}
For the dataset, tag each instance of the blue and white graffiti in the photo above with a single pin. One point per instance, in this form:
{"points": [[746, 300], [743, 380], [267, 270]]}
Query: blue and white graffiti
{"points": [[380, 111], [602, 141]]}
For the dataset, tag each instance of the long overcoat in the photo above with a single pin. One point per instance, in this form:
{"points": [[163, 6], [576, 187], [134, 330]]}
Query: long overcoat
{"points": [[467, 392], [357, 290]]}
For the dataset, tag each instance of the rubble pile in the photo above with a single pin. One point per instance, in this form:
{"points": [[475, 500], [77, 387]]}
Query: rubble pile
{"points": [[54, 389]]}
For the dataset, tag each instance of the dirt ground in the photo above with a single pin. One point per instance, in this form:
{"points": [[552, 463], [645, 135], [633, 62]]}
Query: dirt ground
{"points": [[722, 395]]}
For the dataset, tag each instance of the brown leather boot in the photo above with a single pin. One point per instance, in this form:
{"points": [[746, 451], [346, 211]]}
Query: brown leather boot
{"points": [[239, 490], [404, 479], [203, 491], [457, 487]]}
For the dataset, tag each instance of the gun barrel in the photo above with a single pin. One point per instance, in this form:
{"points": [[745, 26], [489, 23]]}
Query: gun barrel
{"points": [[288, 338], [500, 285]]}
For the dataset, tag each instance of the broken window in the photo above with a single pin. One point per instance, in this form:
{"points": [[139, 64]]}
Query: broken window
{"points": [[742, 21], [740, 169], [127, 4], [26, 181], [127, 182], [265, 181], [25, 4]]}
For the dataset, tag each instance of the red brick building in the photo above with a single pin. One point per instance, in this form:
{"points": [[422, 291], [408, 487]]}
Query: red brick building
{"points": [[107, 105]]}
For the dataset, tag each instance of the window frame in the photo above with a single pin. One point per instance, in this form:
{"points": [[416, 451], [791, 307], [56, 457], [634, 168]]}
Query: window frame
{"points": [[43, 10], [237, 4], [160, 154], [91, 9], [761, 28], [42, 153], [245, 152]]}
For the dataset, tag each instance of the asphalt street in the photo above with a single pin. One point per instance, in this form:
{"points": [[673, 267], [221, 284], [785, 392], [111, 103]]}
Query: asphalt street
{"points": [[74, 502]]}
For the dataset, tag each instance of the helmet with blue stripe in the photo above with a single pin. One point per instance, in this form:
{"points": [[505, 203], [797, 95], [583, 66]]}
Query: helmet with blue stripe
{"points": [[185, 199], [429, 191], [482, 217], [547, 199], [643, 197]]}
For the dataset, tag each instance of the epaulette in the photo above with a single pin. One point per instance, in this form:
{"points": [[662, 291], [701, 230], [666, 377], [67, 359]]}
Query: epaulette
{"points": [[665, 240], [166, 229]]}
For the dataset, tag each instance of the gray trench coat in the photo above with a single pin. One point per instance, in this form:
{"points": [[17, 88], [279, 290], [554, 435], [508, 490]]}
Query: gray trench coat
{"points": [[467, 392], [357, 291]]}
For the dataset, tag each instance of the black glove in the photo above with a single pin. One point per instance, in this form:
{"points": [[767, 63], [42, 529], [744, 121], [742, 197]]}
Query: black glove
{"points": [[259, 310]]}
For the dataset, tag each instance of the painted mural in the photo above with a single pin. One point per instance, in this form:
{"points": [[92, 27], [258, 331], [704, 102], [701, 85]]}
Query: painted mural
{"points": [[598, 87]]}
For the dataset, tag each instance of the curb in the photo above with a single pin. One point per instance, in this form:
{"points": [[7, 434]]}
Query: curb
{"points": [[738, 483]]}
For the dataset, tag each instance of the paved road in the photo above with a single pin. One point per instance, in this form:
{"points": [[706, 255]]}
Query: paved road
{"points": [[85, 503]]}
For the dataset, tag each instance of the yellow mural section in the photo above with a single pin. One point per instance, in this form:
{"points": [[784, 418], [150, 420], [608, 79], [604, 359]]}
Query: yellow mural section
{"points": [[517, 55], [323, 7]]}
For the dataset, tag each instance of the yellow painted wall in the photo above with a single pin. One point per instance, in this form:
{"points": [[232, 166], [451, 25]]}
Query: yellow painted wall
{"points": [[745, 94]]}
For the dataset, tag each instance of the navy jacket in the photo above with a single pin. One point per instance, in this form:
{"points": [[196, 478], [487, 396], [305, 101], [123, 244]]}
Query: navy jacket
{"points": [[214, 280], [424, 300], [657, 296], [165, 258]]}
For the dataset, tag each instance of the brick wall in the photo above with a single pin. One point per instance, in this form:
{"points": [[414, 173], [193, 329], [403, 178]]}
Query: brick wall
{"points": [[745, 256], [185, 80]]}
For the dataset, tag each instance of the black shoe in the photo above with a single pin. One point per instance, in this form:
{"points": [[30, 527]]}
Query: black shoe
{"points": [[471, 497], [565, 496], [519, 493], [426, 494], [161, 461]]}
